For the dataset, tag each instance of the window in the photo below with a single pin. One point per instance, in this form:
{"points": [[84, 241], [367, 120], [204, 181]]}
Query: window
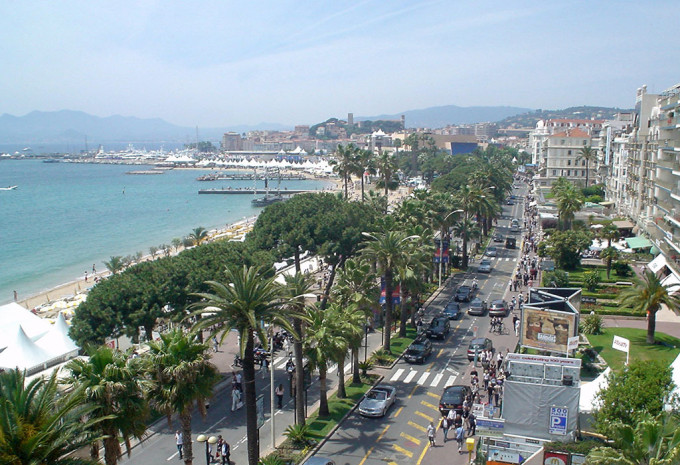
{"points": [[568, 162], [583, 163], [583, 173], [568, 152], [562, 142], [554, 172], [568, 172], [585, 142]]}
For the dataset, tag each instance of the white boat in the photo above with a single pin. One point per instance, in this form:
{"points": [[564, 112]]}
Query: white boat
{"points": [[10, 188]]}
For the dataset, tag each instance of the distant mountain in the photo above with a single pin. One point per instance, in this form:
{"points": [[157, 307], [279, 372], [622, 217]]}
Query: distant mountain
{"points": [[67, 126], [529, 119], [438, 117]]}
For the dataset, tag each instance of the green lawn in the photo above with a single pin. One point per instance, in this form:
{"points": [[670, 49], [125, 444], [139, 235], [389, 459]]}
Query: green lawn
{"points": [[639, 350], [320, 427]]}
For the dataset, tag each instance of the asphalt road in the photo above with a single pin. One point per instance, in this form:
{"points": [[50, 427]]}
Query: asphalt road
{"points": [[400, 437]]}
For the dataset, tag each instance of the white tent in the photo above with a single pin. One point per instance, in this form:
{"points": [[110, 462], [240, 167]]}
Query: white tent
{"points": [[587, 402], [14, 315], [23, 353], [57, 342]]}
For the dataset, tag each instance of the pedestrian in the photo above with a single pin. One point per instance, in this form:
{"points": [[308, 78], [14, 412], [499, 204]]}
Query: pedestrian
{"points": [[445, 428], [216, 345], [279, 395], [235, 399], [225, 451], [179, 440], [430, 434], [517, 327], [16, 296], [472, 424], [460, 435], [264, 368], [94, 270]]}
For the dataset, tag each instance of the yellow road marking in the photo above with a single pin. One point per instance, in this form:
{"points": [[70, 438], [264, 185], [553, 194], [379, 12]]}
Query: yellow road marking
{"points": [[427, 404], [371, 449], [441, 351], [383, 433], [391, 463], [431, 365], [366, 456], [410, 438], [412, 391], [398, 412], [407, 453], [432, 394], [427, 417], [417, 426], [422, 455]]}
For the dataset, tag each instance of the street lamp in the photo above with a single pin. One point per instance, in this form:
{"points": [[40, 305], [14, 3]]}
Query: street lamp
{"points": [[441, 244], [208, 441]]}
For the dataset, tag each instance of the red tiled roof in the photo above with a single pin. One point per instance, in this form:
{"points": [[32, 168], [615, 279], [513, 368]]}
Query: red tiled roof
{"points": [[575, 133]]}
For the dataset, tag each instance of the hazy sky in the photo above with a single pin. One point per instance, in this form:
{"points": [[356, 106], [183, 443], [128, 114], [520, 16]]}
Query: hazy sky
{"points": [[220, 63]]}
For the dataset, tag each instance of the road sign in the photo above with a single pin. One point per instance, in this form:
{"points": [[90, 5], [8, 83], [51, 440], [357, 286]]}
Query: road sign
{"points": [[621, 343], [490, 427], [558, 420]]}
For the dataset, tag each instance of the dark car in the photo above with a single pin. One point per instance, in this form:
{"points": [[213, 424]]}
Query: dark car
{"points": [[510, 202], [439, 328], [479, 344], [498, 237], [498, 307], [463, 294], [452, 310], [510, 243], [418, 351], [477, 307], [452, 398]]}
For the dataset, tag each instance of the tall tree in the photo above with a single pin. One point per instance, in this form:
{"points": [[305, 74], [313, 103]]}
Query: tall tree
{"points": [[364, 163], [249, 296], [648, 297], [39, 425], [466, 229], [587, 154], [198, 235], [569, 201], [387, 168], [609, 232], [182, 377], [345, 164], [115, 386], [608, 255]]}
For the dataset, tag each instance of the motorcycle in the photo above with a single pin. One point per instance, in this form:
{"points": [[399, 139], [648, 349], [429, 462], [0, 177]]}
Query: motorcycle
{"points": [[238, 362]]}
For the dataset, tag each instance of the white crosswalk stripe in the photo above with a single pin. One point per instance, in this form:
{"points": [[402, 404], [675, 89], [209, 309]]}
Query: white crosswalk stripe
{"points": [[451, 380], [348, 367], [280, 362], [397, 375], [423, 378], [436, 379], [410, 376]]}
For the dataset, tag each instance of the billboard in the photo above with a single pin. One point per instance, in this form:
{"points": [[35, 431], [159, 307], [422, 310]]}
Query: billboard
{"points": [[549, 330]]}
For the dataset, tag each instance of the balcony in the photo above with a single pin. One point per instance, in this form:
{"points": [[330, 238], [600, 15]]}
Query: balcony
{"points": [[668, 185], [670, 148]]}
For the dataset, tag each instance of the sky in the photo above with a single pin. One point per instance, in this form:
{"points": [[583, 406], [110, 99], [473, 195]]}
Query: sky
{"points": [[220, 63]]}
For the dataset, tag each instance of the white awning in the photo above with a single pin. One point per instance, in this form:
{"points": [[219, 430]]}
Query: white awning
{"points": [[673, 282], [656, 264]]}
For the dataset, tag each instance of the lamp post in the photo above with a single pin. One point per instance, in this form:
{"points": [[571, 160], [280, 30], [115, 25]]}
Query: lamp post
{"points": [[271, 381], [208, 441], [441, 244]]}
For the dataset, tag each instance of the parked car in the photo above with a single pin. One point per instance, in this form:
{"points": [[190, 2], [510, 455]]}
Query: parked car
{"points": [[452, 310], [439, 327], [478, 345], [377, 401], [463, 294], [477, 307], [452, 398], [498, 307], [491, 251], [498, 237], [484, 266], [418, 351]]}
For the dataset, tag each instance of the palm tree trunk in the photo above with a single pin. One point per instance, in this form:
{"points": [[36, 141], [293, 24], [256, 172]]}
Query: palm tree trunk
{"points": [[356, 376], [329, 285], [299, 375], [387, 328], [465, 252], [404, 314], [112, 450], [94, 450], [251, 401], [323, 398], [651, 326], [587, 171], [342, 393], [362, 187], [185, 421], [346, 182]]}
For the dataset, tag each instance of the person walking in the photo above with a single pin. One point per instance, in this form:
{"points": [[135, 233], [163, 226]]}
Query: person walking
{"points": [[179, 440], [216, 345], [279, 395], [430, 434], [445, 428], [264, 368], [472, 424], [225, 452], [517, 327], [460, 435], [235, 399]]}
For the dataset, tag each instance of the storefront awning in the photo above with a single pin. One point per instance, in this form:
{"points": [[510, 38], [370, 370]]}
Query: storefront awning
{"points": [[656, 264], [638, 242]]}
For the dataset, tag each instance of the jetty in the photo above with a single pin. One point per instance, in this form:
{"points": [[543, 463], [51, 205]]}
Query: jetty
{"points": [[248, 177], [146, 172], [254, 191]]}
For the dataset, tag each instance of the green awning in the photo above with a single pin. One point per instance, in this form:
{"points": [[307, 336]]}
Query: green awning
{"points": [[638, 242]]}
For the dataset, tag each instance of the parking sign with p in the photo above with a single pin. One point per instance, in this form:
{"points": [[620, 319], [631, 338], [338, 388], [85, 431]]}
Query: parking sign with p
{"points": [[558, 420]]}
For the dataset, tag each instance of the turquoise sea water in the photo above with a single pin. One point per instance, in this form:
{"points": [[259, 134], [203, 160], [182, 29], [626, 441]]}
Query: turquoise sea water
{"points": [[65, 217]]}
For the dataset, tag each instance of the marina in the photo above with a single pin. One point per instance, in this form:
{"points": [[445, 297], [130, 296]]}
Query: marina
{"points": [[230, 190]]}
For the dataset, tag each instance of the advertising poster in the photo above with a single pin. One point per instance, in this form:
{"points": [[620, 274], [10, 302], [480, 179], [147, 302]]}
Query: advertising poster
{"points": [[547, 329]]}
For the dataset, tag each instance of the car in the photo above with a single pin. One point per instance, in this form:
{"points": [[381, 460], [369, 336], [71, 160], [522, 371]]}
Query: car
{"points": [[478, 345], [477, 307], [418, 351], [377, 401], [510, 202], [463, 294], [498, 237], [452, 398], [314, 460], [484, 266], [510, 243], [452, 310], [491, 251], [499, 307], [439, 328]]}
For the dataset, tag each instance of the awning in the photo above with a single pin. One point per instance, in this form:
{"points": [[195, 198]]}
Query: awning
{"points": [[638, 242], [673, 283], [656, 264], [624, 224], [607, 203]]}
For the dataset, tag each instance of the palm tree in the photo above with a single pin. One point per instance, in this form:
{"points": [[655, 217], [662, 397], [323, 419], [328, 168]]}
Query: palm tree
{"points": [[153, 250], [388, 250], [115, 386], [323, 342], [345, 164], [588, 154], [609, 255], [182, 377], [39, 425], [115, 264], [466, 229], [386, 165], [249, 297], [609, 232], [569, 201], [412, 272], [176, 243], [364, 163], [350, 323], [198, 235], [648, 297]]}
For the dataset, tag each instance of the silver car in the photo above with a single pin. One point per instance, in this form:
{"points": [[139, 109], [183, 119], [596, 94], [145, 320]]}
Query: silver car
{"points": [[484, 266], [377, 401], [491, 251]]}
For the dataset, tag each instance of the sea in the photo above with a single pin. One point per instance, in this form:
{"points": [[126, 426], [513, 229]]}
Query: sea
{"points": [[66, 217]]}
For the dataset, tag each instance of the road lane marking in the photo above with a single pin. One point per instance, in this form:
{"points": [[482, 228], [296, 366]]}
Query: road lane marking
{"points": [[412, 391], [417, 426], [400, 449], [422, 455], [366, 456], [398, 412], [451, 380], [176, 453], [424, 377], [427, 404], [410, 376], [432, 394], [441, 351], [408, 437], [425, 416], [348, 368], [436, 380], [397, 374], [430, 367]]}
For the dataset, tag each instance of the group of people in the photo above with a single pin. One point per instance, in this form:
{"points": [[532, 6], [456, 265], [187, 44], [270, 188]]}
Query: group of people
{"points": [[222, 451]]}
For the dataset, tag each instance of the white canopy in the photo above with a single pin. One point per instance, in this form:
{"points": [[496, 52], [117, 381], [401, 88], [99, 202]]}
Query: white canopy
{"points": [[14, 315], [23, 353], [656, 264], [587, 402], [673, 282], [57, 342]]}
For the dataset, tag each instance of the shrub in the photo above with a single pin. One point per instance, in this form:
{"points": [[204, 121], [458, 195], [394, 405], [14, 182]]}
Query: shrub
{"points": [[299, 435], [271, 460], [382, 357], [591, 324], [622, 269], [364, 367], [557, 278], [591, 279]]}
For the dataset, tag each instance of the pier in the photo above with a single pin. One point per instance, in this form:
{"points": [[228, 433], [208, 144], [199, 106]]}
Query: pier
{"points": [[255, 191]]}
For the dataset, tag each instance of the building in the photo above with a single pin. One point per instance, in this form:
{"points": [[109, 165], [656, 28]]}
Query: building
{"points": [[232, 141], [545, 129], [560, 158], [302, 130]]}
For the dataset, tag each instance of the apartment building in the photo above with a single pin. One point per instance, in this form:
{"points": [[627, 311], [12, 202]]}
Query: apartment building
{"points": [[561, 158]]}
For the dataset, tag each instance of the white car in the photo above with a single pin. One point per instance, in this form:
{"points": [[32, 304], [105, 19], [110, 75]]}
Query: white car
{"points": [[491, 251], [484, 266], [377, 401]]}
